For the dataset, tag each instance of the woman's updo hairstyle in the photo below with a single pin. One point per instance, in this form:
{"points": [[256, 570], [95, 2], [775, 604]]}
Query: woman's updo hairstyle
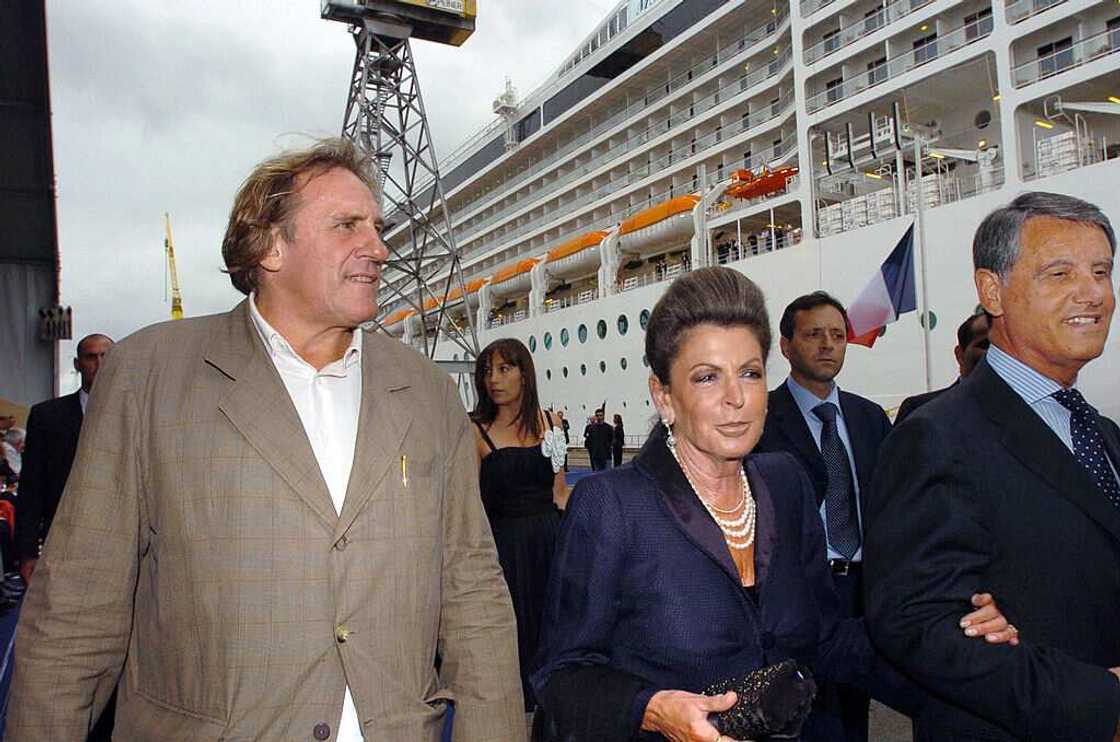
{"points": [[714, 296]]}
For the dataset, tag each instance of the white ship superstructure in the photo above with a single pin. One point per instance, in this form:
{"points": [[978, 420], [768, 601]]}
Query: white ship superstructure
{"points": [[782, 139]]}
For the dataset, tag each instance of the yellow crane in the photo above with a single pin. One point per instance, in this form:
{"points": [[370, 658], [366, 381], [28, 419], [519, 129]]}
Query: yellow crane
{"points": [[176, 295]]}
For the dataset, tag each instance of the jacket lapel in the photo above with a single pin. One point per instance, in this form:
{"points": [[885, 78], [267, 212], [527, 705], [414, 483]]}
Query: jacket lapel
{"points": [[766, 532], [258, 405], [1038, 448], [790, 422], [682, 503], [383, 423]]}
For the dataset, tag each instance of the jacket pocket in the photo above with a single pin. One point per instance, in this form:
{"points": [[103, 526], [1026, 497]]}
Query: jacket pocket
{"points": [[145, 718]]}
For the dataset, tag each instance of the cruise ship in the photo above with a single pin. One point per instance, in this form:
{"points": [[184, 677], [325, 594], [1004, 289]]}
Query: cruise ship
{"points": [[793, 141]]}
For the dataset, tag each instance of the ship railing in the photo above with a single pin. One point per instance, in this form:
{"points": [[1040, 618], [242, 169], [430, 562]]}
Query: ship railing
{"points": [[770, 112], [808, 7], [734, 251], [698, 108], [1070, 155], [864, 27], [533, 168], [1076, 54], [942, 45], [1024, 9]]}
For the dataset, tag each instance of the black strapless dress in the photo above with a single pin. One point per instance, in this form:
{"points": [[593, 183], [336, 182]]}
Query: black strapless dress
{"points": [[516, 484]]}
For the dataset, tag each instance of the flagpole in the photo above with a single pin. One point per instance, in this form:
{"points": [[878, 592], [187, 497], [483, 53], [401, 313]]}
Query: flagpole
{"points": [[920, 233]]}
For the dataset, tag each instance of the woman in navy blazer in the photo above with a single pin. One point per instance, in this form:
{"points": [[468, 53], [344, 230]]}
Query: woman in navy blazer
{"points": [[692, 563]]}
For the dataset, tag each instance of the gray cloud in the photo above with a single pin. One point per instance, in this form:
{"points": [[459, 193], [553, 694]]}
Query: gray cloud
{"points": [[166, 107]]}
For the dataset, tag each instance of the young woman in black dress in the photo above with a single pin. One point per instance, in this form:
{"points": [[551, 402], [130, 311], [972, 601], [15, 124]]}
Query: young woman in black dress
{"points": [[521, 453]]}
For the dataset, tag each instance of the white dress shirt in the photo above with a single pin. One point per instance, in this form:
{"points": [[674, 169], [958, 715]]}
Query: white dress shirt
{"points": [[83, 400], [327, 402]]}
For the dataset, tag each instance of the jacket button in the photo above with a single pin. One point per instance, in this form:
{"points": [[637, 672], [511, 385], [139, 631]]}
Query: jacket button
{"points": [[766, 639], [341, 633], [321, 731], [341, 544]]}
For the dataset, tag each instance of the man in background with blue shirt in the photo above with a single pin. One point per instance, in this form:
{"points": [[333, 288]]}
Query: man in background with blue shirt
{"points": [[1008, 482], [835, 436]]}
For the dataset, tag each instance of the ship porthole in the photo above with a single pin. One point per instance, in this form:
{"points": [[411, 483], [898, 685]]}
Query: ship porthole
{"points": [[581, 333], [532, 344], [623, 324], [548, 341], [602, 367], [548, 374], [564, 371], [601, 329], [622, 363], [643, 318], [565, 337], [583, 369]]}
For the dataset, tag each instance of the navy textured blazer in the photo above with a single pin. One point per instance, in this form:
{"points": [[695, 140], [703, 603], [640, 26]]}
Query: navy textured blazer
{"points": [[644, 596]]}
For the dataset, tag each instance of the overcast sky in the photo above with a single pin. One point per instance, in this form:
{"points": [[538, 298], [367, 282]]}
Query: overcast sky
{"points": [[167, 106]]}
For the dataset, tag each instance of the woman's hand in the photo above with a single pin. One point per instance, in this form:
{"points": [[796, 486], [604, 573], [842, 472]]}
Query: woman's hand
{"points": [[987, 621], [683, 717]]}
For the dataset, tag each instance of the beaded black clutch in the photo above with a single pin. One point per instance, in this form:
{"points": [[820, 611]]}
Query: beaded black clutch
{"points": [[772, 702]]}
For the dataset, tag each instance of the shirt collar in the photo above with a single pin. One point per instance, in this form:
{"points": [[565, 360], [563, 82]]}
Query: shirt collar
{"points": [[278, 345], [806, 400], [1029, 384]]}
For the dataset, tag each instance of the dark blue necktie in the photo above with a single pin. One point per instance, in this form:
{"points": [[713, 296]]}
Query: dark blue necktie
{"points": [[839, 497], [1088, 444]]}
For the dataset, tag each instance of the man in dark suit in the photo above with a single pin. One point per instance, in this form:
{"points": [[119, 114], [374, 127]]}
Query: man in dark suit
{"points": [[597, 439], [972, 344], [52, 439], [835, 436], [1008, 481]]}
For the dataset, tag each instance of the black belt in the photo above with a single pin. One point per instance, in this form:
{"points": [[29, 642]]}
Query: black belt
{"points": [[844, 567]]}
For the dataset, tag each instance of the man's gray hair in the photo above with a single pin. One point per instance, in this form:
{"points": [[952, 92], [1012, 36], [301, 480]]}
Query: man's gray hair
{"points": [[997, 242], [15, 436]]}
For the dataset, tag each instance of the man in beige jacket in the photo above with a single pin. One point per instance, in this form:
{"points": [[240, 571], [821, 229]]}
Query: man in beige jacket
{"points": [[272, 527]]}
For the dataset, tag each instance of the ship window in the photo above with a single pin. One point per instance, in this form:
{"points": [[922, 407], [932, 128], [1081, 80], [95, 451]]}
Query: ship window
{"points": [[564, 371], [583, 369], [582, 333], [834, 89], [623, 324], [645, 361], [565, 337], [547, 340], [548, 374], [532, 345], [643, 318], [623, 364], [978, 24], [925, 49], [877, 71], [1055, 57], [602, 367], [601, 329]]}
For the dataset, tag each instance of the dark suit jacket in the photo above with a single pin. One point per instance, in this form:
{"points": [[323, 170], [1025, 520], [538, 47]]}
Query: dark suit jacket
{"points": [[975, 493], [52, 438], [910, 404], [644, 596], [786, 430]]}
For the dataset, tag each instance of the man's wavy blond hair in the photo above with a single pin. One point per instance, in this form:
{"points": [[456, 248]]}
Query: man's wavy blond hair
{"points": [[268, 198]]}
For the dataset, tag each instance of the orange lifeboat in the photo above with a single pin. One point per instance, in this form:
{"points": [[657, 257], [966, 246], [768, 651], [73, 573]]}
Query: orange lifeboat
{"points": [[652, 229], [513, 278], [766, 183], [575, 257]]}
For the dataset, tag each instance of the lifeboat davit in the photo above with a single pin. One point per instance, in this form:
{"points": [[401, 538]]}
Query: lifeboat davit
{"points": [[652, 230], [513, 279], [576, 257], [766, 183]]}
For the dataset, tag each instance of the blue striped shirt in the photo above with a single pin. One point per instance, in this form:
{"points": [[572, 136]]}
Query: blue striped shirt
{"points": [[1036, 390]]}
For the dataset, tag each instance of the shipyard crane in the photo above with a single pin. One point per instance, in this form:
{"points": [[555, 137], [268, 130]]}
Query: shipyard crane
{"points": [[169, 249], [386, 119]]}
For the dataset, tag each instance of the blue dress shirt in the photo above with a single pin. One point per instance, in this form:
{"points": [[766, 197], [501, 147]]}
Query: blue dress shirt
{"points": [[806, 401]]}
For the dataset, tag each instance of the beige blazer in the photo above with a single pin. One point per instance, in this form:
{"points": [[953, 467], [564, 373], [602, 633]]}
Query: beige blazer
{"points": [[197, 550]]}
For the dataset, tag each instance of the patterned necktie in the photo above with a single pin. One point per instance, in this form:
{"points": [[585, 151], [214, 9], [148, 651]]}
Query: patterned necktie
{"points": [[1088, 444], [839, 496]]}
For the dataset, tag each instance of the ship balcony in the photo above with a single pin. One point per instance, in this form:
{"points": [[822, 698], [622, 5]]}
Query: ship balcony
{"points": [[748, 83], [763, 116], [641, 103], [1059, 55], [1076, 128], [875, 19], [933, 47], [1020, 10]]}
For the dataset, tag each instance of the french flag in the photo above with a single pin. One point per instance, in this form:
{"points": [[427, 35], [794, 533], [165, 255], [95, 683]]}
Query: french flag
{"points": [[888, 294]]}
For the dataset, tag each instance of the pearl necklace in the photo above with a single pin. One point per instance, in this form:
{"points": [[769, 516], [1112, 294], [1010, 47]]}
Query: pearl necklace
{"points": [[737, 532]]}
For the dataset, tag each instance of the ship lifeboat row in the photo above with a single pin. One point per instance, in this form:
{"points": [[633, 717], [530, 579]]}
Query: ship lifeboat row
{"points": [[645, 233]]}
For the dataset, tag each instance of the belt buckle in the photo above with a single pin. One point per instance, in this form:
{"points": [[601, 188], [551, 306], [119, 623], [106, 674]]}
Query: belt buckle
{"points": [[840, 567]]}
